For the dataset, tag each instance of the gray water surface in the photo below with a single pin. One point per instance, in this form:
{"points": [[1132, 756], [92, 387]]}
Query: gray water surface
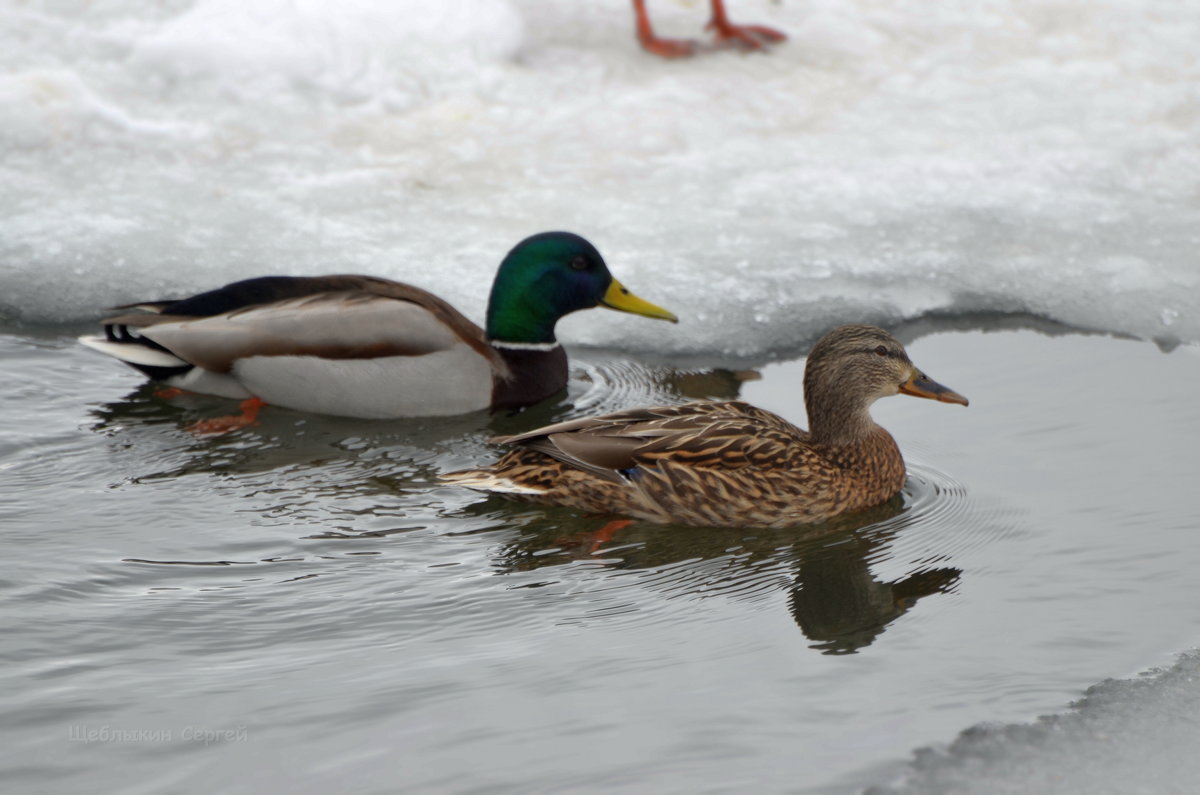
{"points": [[301, 606]]}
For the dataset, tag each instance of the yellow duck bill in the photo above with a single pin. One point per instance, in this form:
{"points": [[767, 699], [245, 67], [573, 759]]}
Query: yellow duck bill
{"points": [[618, 297]]}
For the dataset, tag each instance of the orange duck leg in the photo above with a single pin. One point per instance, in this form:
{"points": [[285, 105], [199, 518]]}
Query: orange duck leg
{"points": [[220, 425], [665, 48], [753, 37]]}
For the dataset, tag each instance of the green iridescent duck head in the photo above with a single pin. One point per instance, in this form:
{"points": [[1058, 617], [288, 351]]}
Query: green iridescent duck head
{"points": [[550, 275]]}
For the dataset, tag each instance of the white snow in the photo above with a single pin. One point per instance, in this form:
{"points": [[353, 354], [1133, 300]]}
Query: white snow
{"points": [[886, 162], [1124, 736]]}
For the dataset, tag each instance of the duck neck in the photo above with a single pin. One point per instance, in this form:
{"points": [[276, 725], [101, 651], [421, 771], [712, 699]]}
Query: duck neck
{"points": [[852, 441], [534, 374], [834, 422], [514, 320]]}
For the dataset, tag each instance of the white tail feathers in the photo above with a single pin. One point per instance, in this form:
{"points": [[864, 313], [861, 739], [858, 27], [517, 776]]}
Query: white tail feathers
{"points": [[133, 353], [484, 480]]}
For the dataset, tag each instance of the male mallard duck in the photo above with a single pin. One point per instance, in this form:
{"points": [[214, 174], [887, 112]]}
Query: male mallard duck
{"points": [[361, 346], [751, 37], [729, 463]]}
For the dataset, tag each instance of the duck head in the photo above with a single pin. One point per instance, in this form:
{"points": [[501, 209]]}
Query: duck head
{"points": [[550, 275], [853, 366]]}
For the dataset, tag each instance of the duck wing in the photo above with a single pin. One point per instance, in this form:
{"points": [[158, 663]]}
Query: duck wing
{"points": [[709, 435], [330, 317]]}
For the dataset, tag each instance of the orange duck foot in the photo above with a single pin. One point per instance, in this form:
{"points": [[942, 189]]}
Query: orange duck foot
{"points": [[169, 392], [752, 37], [590, 543], [667, 48], [220, 425], [664, 48]]}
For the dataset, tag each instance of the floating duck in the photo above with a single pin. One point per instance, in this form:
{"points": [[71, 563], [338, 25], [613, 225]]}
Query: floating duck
{"points": [[729, 463], [751, 37], [362, 346]]}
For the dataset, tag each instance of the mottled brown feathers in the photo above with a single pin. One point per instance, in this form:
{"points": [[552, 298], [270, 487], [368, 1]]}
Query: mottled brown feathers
{"points": [[727, 463], [702, 464]]}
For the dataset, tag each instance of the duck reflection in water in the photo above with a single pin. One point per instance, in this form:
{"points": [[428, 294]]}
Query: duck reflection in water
{"points": [[840, 605], [834, 598]]}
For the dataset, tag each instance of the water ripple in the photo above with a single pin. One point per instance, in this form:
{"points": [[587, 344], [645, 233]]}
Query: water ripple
{"points": [[844, 581], [613, 385]]}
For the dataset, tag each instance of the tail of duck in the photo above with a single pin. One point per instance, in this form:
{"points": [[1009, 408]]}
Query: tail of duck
{"points": [[487, 480], [138, 353]]}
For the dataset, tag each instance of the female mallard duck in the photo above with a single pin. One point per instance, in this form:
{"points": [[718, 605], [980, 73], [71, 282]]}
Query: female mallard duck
{"points": [[729, 463], [361, 346]]}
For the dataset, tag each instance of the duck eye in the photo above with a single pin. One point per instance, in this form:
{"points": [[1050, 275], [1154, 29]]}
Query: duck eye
{"points": [[882, 350], [578, 263]]}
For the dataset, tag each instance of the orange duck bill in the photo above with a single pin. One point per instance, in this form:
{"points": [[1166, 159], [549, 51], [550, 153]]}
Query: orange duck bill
{"points": [[921, 385]]}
